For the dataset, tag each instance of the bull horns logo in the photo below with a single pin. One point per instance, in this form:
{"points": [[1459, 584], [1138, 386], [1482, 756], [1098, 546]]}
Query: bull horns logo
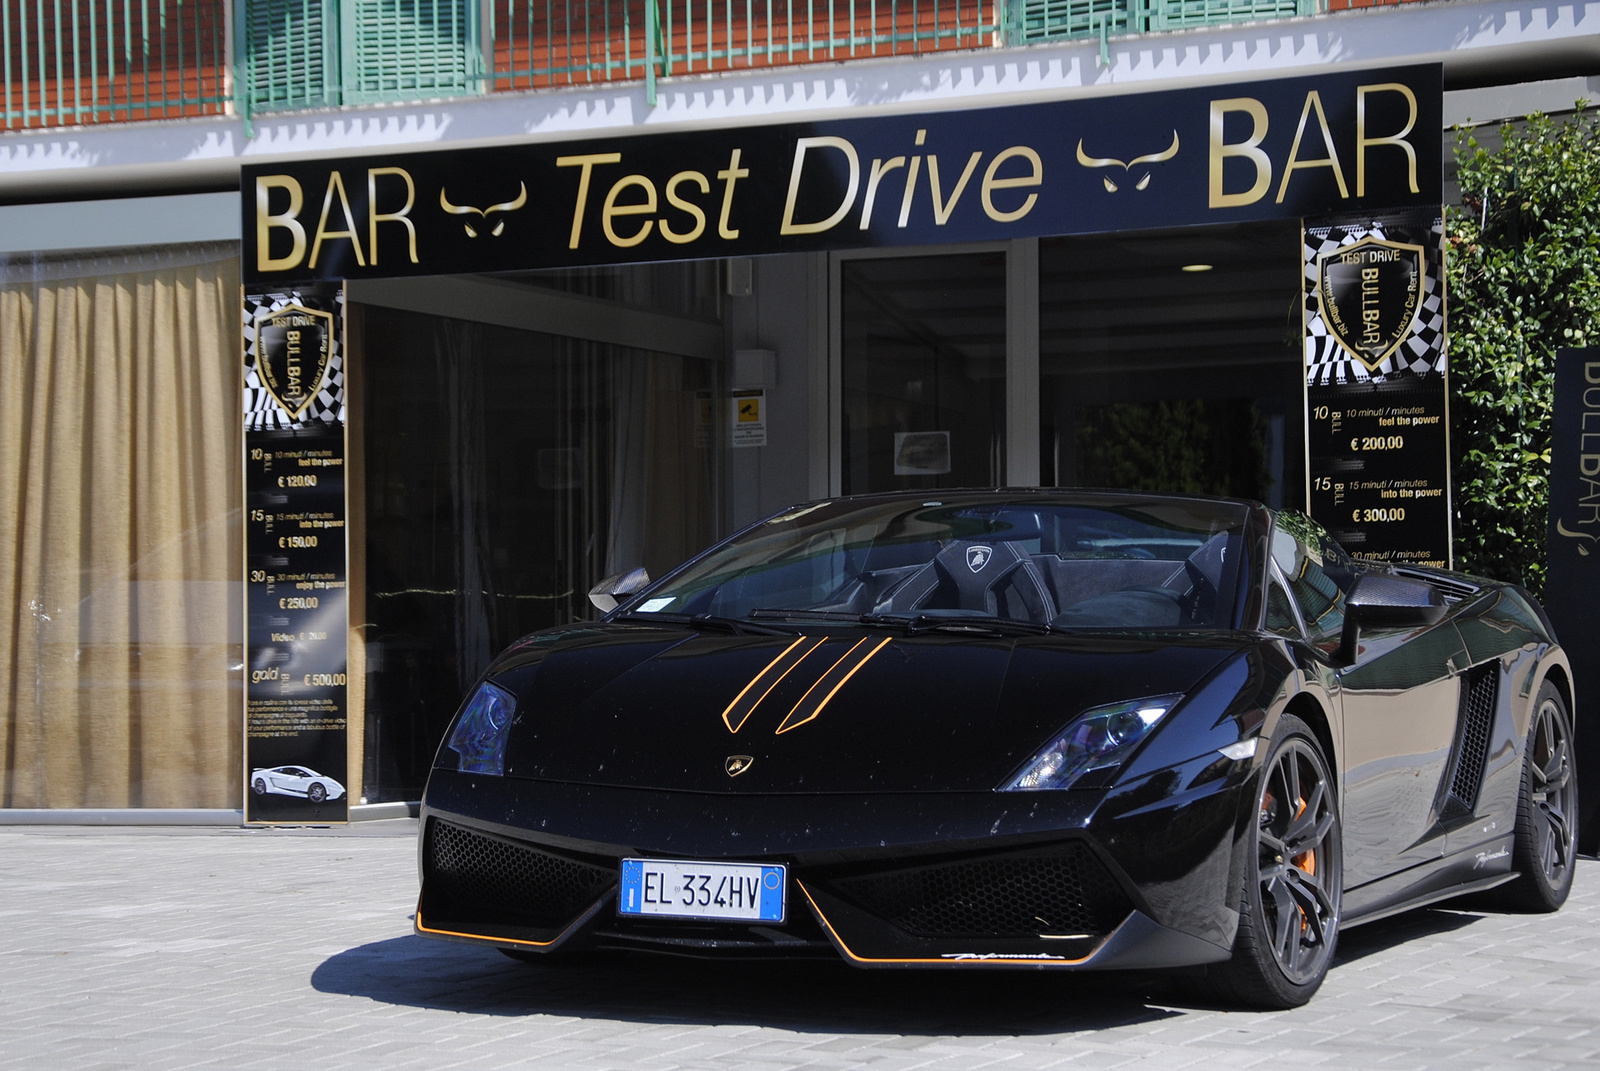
{"points": [[505, 206], [1110, 161]]}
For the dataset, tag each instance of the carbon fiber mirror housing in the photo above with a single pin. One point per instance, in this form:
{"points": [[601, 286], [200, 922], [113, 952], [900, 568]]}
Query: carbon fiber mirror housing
{"points": [[1381, 601]]}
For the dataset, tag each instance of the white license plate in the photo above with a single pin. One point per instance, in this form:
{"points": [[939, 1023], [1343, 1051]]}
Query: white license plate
{"points": [[686, 889]]}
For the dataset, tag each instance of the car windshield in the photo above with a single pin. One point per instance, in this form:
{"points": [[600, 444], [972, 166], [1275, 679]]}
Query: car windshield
{"points": [[1068, 562]]}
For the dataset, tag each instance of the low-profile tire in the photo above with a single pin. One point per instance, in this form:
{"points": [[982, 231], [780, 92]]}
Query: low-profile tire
{"points": [[317, 792], [259, 786], [1290, 898], [1545, 845]]}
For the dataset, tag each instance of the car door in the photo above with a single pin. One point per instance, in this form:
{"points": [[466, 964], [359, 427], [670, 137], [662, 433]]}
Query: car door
{"points": [[1399, 702]]}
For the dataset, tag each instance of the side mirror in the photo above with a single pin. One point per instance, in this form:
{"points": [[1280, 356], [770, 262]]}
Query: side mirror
{"points": [[613, 589], [1381, 601]]}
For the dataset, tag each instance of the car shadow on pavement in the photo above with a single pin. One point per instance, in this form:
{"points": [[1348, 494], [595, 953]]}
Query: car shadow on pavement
{"points": [[1379, 936], [803, 996]]}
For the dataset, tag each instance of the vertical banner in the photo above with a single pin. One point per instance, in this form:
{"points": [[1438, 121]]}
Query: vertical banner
{"points": [[1377, 416], [1572, 577], [296, 636]]}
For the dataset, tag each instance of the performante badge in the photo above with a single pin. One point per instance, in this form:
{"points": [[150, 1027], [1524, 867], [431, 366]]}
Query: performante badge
{"points": [[978, 557], [1370, 292], [293, 347], [738, 764]]}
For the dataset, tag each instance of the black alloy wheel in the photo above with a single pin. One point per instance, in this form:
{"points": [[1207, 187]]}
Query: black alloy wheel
{"points": [[260, 786], [1545, 845], [317, 792], [1289, 906]]}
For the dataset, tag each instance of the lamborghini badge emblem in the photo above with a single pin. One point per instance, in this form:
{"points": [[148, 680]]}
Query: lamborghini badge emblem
{"points": [[294, 346], [738, 764], [1370, 292], [978, 557]]}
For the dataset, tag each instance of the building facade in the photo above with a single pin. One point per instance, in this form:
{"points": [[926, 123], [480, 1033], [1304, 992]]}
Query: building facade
{"points": [[526, 414]]}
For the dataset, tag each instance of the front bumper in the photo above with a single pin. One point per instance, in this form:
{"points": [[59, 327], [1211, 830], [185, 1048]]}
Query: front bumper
{"points": [[1141, 876]]}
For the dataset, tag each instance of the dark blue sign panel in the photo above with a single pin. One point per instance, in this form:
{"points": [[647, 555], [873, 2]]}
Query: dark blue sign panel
{"points": [[296, 635], [1572, 582], [1328, 144], [1377, 419]]}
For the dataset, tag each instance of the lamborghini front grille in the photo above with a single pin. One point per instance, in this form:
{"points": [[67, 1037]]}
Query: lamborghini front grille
{"points": [[472, 877], [1063, 891]]}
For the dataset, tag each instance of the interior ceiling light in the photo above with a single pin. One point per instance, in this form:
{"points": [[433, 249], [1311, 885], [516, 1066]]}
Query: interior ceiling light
{"points": [[1197, 267]]}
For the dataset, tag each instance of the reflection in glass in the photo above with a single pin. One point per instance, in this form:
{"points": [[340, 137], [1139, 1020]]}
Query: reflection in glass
{"points": [[923, 353], [506, 473], [1159, 378]]}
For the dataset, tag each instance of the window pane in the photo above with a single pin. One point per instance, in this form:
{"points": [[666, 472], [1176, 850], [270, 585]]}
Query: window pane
{"points": [[1170, 361], [507, 472], [924, 349]]}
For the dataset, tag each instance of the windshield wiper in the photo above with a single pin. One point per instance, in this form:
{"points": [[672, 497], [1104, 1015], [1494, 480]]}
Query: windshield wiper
{"points": [[731, 624], [770, 614], [914, 622], [1000, 626]]}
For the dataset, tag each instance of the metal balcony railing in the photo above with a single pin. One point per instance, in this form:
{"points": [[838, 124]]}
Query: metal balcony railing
{"points": [[68, 62], [550, 42]]}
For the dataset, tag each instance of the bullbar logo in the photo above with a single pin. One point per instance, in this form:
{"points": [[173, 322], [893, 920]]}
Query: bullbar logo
{"points": [[738, 764], [466, 210], [978, 557], [1370, 292], [294, 346], [1110, 161]]}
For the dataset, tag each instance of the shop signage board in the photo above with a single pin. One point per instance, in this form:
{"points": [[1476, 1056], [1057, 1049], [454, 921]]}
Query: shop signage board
{"points": [[1377, 414], [1338, 143], [1572, 579], [296, 633]]}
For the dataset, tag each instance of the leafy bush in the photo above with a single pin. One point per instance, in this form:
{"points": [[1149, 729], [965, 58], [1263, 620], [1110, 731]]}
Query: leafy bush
{"points": [[1523, 264]]}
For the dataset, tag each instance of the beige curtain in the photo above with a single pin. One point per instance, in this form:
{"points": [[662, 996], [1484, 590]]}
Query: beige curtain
{"points": [[661, 483], [120, 533]]}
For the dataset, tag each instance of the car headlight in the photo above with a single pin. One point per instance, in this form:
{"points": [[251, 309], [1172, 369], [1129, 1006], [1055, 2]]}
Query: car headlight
{"points": [[479, 739], [1098, 740]]}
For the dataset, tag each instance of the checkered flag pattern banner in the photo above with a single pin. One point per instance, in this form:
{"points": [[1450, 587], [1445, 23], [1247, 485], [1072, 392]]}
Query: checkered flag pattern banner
{"points": [[1423, 351], [261, 411]]}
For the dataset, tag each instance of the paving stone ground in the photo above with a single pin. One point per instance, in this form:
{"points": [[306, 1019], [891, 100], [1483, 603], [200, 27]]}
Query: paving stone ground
{"points": [[275, 949]]}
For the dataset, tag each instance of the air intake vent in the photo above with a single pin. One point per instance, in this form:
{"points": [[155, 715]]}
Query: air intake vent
{"points": [[1064, 891], [470, 877], [1453, 588], [1479, 691]]}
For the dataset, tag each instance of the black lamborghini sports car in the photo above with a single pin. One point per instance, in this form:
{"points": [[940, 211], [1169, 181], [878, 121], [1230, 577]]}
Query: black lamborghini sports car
{"points": [[982, 729]]}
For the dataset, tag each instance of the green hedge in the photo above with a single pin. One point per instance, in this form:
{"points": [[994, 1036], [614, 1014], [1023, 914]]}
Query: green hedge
{"points": [[1523, 263]]}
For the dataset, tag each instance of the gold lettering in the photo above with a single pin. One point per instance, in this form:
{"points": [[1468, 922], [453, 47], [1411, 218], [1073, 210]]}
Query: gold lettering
{"points": [[586, 162], [1249, 149], [732, 174], [1397, 140], [1034, 177], [266, 221], [611, 209], [941, 211], [1313, 100], [336, 182], [801, 147], [375, 217], [880, 169], [688, 206], [911, 187]]}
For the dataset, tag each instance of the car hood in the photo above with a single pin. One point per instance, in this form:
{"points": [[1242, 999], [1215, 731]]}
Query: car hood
{"points": [[822, 711]]}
